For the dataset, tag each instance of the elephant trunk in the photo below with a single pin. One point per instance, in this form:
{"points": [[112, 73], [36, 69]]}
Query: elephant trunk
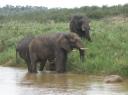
{"points": [[87, 35], [81, 51]]}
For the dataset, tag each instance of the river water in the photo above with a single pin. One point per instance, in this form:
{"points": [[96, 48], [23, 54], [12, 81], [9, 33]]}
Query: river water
{"points": [[15, 81]]}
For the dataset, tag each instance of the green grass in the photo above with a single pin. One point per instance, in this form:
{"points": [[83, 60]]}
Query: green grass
{"points": [[107, 54]]}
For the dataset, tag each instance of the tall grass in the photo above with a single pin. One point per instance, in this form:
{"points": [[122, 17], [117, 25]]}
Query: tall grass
{"points": [[107, 54]]}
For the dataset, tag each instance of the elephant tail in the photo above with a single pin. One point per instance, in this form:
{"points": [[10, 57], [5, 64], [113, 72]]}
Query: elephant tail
{"points": [[17, 56]]}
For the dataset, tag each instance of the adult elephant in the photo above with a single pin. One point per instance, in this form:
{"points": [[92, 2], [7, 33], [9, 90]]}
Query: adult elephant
{"points": [[23, 50], [80, 25], [43, 48]]}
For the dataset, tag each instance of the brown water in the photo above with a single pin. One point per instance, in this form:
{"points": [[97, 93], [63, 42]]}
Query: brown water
{"points": [[18, 82]]}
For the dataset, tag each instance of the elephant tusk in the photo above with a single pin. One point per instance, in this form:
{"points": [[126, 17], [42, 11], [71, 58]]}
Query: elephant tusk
{"points": [[83, 48], [74, 50]]}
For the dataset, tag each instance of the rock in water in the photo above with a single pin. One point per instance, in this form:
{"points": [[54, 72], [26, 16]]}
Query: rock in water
{"points": [[113, 79]]}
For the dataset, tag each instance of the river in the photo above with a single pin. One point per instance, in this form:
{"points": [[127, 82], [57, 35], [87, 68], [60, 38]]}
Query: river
{"points": [[15, 81]]}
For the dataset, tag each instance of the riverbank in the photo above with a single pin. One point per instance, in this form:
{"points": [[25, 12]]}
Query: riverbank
{"points": [[107, 54]]}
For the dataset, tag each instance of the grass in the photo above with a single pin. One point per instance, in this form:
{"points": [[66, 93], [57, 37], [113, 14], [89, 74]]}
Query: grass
{"points": [[107, 54]]}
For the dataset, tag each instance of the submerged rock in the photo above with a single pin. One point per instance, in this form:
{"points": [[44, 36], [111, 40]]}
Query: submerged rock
{"points": [[113, 79]]}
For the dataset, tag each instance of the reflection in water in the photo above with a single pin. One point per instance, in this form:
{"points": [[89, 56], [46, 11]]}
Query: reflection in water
{"points": [[18, 82], [51, 80]]}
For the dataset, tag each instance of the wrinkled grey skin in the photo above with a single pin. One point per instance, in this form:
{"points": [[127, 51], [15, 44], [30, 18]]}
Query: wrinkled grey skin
{"points": [[23, 50], [80, 26], [43, 48]]}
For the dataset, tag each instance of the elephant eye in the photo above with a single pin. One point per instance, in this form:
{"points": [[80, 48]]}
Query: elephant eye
{"points": [[73, 40]]}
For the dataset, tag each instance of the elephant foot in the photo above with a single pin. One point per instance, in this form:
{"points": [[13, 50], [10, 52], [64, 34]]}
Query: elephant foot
{"points": [[34, 71], [29, 70], [60, 71]]}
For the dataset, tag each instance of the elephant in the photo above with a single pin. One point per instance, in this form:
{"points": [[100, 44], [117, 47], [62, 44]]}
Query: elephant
{"points": [[80, 26], [54, 47], [23, 50]]}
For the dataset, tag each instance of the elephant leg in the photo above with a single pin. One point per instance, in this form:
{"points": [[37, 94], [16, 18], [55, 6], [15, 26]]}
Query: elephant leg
{"points": [[34, 67], [27, 59], [33, 63], [61, 58], [29, 66], [42, 64]]}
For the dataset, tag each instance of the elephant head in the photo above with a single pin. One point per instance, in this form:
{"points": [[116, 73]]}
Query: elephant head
{"points": [[80, 26], [69, 41], [85, 28]]}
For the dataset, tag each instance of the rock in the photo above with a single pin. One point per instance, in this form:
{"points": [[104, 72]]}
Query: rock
{"points": [[113, 79]]}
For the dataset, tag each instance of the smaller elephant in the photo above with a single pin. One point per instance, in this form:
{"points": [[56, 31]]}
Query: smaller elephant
{"points": [[80, 26], [23, 50], [54, 47]]}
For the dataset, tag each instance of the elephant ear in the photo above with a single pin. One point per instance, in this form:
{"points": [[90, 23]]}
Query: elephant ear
{"points": [[63, 42]]}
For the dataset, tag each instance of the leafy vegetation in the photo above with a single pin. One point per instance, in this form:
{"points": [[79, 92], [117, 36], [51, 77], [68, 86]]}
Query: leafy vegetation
{"points": [[107, 54], [43, 14]]}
